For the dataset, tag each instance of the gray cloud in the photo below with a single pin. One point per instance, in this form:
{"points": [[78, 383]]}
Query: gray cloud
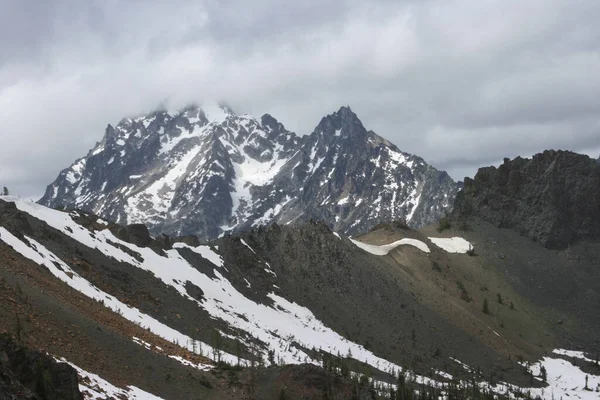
{"points": [[460, 83]]}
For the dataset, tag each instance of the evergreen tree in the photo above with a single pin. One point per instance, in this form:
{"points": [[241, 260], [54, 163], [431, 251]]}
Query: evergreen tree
{"points": [[543, 373], [271, 357], [217, 346], [238, 351], [392, 394], [485, 308], [5, 191]]}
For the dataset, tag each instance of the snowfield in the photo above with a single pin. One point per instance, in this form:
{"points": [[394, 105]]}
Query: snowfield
{"points": [[565, 381], [452, 245]]}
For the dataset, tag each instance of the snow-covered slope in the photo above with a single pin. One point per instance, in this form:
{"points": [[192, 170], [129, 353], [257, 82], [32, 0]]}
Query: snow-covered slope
{"points": [[207, 171], [278, 325]]}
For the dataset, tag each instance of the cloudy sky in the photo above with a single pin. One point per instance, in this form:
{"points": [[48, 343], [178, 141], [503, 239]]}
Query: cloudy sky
{"points": [[460, 83]]}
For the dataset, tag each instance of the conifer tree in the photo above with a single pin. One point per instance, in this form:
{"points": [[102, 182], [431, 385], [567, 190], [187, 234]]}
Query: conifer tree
{"points": [[543, 373]]}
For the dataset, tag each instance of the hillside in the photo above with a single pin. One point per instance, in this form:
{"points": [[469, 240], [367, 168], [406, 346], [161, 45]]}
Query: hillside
{"points": [[155, 315], [208, 171]]}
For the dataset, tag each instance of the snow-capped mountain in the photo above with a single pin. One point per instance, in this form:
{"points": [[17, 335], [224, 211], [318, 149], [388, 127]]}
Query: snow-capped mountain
{"points": [[207, 171]]}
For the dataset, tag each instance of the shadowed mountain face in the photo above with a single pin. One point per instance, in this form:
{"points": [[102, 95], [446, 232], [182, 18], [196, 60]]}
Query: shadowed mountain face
{"points": [[552, 198], [206, 171]]}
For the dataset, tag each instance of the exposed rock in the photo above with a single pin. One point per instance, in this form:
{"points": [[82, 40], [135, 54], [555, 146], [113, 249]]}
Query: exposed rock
{"points": [[26, 374], [190, 240], [553, 198], [163, 242], [137, 234]]}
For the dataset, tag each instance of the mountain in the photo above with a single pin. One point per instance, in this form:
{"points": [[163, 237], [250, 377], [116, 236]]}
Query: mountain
{"points": [[552, 198], [299, 311], [207, 171]]}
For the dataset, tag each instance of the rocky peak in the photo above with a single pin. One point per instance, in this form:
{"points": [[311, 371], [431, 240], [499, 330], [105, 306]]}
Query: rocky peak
{"points": [[551, 198], [276, 131], [271, 123], [342, 123], [206, 171]]}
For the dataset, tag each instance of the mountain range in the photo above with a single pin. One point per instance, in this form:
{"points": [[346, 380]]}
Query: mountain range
{"points": [[208, 171]]}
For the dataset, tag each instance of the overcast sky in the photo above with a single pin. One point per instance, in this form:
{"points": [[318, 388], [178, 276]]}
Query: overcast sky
{"points": [[460, 83]]}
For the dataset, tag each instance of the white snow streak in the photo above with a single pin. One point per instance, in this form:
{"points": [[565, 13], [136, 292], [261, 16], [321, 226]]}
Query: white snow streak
{"points": [[384, 249], [452, 245], [94, 387]]}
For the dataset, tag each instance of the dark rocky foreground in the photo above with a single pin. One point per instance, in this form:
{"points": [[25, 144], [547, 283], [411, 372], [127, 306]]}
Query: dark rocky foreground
{"points": [[552, 198], [27, 374]]}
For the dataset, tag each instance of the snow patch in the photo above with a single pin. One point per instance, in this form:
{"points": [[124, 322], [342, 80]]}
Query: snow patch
{"points": [[452, 245], [204, 251], [246, 244], [574, 354], [93, 387], [386, 248], [343, 201]]}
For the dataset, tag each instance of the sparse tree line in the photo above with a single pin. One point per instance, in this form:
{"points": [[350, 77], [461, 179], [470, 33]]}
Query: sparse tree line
{"points": [[405, 385]]}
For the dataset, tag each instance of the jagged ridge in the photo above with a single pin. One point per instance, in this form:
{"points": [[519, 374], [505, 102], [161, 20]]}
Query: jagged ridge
{"points": [[207, 171]]}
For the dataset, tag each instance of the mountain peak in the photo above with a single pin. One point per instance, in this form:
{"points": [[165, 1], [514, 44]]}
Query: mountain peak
{"points": [[344, 123], [205, 170], [346, 110], [345, 113]]}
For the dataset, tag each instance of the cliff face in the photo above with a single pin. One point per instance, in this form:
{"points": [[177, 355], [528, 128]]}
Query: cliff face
{"points": [[552, 198]]}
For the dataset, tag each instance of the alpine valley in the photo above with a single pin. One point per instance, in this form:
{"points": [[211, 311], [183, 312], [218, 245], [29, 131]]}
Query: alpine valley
{"points": [[207, 171]]}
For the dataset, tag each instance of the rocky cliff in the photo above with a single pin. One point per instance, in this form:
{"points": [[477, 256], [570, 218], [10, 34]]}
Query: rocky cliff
{"points": [[552, 198]]}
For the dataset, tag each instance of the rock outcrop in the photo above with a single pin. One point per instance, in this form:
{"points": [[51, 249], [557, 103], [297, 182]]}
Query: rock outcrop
{"points": [[552, 198], [27, 374]]}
